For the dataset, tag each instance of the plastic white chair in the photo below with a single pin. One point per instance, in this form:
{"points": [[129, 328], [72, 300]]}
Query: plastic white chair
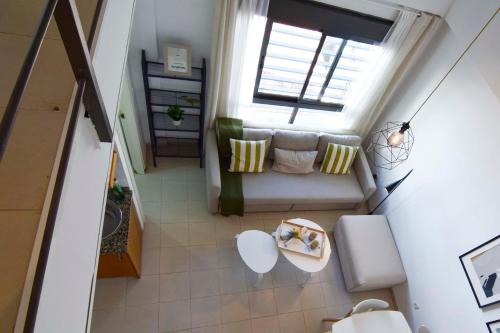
{"points": [[364, 306], [369, 305]]}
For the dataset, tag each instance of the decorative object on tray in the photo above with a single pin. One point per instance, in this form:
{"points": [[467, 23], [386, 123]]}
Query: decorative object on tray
{"points": [[176, 114], [482, 268], [494, 326], [177, 59], [298, 238]]}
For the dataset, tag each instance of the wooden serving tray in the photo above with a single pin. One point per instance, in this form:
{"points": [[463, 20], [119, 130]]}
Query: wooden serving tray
{"points": [[298, 246]]}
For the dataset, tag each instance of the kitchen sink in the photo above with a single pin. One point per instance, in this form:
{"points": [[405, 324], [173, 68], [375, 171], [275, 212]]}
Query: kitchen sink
{"points": [[112, 219]]}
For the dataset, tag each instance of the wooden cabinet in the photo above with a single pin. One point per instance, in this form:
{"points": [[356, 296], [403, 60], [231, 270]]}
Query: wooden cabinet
{"points": [[128, 261]]}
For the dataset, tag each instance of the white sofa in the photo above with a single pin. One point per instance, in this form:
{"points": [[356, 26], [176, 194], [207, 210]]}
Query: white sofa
{"points": [[275, 191]]}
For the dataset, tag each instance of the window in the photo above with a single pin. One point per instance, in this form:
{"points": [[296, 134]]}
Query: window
{"points": [[311, 66]]}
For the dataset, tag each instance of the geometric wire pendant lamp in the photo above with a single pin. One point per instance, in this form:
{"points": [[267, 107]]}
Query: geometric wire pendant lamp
{"points": [[391, 145]]}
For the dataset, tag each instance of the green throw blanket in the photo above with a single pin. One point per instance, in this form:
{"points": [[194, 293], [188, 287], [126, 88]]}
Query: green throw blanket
{"points": [[231, 196]]}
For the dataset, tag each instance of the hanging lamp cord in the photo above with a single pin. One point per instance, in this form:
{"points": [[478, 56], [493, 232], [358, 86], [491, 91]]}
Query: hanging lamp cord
{"points": [[455, 64]]}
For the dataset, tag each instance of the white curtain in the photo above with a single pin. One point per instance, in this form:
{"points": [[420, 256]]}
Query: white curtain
{"points": [[366, 104], [234, 19]]}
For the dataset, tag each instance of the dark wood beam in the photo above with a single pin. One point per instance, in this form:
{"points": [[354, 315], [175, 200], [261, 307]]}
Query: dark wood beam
{"points": [[70, 28]]}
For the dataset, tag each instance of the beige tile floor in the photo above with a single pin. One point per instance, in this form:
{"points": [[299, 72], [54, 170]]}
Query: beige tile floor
{"points": [[194, 282]]}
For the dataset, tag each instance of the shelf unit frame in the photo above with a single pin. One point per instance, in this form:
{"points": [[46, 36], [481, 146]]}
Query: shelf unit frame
{"points": [[199, 75]]}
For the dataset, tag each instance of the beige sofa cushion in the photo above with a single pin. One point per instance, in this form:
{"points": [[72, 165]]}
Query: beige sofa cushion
{"points": [[325, 139], [271, 187], [294, 140]]}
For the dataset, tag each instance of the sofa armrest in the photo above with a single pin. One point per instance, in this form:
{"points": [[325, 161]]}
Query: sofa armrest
{"points": [[212, 172], [364, 174]]}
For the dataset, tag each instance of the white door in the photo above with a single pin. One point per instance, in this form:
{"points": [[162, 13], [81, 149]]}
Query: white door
{"points": [[130, 125]]}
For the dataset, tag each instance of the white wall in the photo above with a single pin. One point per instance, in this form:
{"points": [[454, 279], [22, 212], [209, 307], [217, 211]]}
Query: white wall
{"points": [[449, 204], [69, 276], [129, 123], [156, 22]]}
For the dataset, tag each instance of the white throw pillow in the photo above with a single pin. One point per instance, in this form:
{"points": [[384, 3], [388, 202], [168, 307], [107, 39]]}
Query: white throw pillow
{"points": [[294, 161]]}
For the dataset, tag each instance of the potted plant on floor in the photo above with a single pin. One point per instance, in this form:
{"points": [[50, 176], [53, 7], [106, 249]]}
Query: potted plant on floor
{"points": [[176, 114]]}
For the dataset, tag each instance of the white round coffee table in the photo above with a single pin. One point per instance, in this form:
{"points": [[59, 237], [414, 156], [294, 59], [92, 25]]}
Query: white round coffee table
{"points": [[303, 262], [258, 250]]}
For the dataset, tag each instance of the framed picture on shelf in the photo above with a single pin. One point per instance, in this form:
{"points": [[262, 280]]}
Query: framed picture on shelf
{"points": [[482, 267], [494, 326], [177, 59]]}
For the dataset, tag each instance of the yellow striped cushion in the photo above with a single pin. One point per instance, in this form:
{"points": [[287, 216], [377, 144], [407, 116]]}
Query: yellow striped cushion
{"points": [[338, 159], [247, 156]]}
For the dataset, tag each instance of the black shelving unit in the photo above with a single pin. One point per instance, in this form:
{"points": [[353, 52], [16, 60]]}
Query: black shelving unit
{"points": [[168, 140]]}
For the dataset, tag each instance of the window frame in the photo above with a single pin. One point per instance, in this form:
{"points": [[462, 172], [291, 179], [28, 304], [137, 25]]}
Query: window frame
{"points": [[299, 102]]}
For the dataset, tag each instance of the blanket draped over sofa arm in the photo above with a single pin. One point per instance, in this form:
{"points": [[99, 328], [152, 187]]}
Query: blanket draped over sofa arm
{"points": [[231, 196]]}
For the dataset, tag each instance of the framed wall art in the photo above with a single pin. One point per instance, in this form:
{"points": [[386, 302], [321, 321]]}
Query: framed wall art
{"points": [[482, 267], [177, 59], [494, 326]]}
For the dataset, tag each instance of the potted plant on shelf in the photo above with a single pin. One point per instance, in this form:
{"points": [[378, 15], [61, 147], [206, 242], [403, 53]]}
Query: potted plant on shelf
{"points": [[176, 114]]}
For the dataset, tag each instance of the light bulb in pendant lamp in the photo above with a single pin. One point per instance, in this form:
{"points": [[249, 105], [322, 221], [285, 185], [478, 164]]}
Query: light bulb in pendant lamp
{"points": [[397, 138]]}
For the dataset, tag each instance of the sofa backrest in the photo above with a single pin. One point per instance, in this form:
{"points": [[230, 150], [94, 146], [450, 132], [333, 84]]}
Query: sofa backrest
{"points": [[299, 140], [255, 134], [294, 140]]}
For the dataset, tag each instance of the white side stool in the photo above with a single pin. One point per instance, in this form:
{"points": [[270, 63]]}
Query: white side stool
{"points": [[258, 250], [368, 254]]}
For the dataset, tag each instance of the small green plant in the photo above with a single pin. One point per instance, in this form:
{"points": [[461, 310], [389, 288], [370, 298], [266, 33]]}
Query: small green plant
{"points": [[175, 113]]}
